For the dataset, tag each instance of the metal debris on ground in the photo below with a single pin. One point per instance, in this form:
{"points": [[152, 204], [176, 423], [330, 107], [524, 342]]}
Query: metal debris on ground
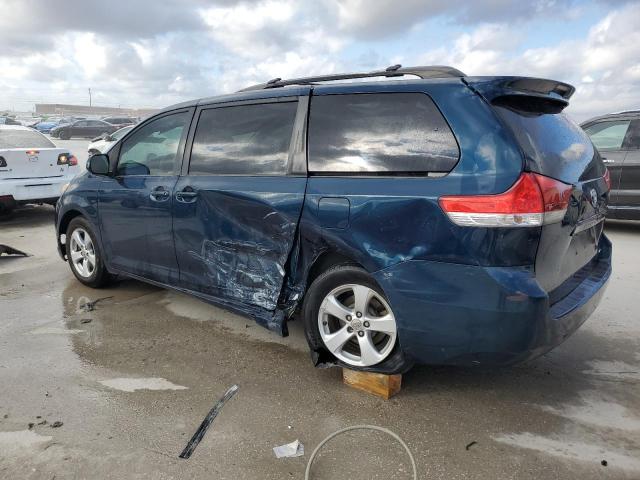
{"points": [[206, 423], [91, 306], [469, 445], [7, 250], [56, 424], [85, 320], [293, 449]]}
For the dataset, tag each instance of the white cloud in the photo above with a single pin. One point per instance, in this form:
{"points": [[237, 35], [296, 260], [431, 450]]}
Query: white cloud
{"points": [[604, 66]]}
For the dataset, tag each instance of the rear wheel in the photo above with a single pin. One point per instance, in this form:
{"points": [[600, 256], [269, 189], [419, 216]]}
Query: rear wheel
{"points": [[84, 255], [348, 316]]}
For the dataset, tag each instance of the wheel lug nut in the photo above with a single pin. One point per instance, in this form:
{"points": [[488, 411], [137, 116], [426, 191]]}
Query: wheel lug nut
{"points": [[348, 318], [366, 324], [361, 333], [358, 314], [349, 329]]}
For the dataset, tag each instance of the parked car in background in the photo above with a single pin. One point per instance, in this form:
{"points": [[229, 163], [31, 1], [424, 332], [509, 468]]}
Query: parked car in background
{"points": [[45, 126], [55, 131], [617, 138], [6, 120], [103, 143], [120, 121], [85, 129], [32, 168], [443, 220]]}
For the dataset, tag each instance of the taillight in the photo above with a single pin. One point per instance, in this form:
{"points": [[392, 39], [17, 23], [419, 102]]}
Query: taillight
{"points": [[67, 159], [532, 201], [607, 178]]}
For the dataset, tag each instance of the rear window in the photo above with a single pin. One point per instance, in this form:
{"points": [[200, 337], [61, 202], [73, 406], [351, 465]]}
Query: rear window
{"points": [[243, 140], [23, 139], [554, 145], [379, 133]]}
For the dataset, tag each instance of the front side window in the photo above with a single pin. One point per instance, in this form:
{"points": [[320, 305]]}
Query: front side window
{"points": [[608, 135], [243, 140], [152, 149], [379, 133]]}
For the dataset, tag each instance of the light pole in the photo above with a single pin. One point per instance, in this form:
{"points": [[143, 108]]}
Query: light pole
{"points": [[89, 97]]}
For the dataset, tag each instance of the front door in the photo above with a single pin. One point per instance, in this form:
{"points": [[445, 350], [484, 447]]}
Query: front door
{"points": [[608, 136], [237, 205], [135, 203], [629, 193]]}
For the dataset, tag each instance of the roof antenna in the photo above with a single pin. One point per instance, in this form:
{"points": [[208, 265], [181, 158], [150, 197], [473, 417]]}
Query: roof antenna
{"points": [[393, 68]]}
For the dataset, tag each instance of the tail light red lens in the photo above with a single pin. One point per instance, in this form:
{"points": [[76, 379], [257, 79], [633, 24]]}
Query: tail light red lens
{"points": [[532, 201], [67, 159]]}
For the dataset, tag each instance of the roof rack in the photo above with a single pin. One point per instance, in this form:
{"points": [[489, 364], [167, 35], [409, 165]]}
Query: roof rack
{"points": [[436, 71]]}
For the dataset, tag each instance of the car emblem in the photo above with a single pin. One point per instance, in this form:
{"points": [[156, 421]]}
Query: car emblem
{"points": [[594, 198]]}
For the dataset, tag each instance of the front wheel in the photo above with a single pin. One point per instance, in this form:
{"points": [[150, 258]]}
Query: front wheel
{"points": [[84, 254], [348, 316]]}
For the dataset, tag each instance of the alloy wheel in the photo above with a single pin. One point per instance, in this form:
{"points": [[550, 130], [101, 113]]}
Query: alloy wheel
{"points": [[357, 325], [83, 253]]}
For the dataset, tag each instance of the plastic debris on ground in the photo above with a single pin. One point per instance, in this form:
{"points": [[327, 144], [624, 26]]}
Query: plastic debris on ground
{"points": [[293, 449]]}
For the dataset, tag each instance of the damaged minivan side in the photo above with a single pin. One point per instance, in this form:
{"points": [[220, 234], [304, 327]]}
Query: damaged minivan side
{"points": [[442, 219]]}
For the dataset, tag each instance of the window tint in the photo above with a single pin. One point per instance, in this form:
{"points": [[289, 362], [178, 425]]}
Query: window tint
{"points": [[152, 149], [388, 132], [243, 140], [553, 144], [608, 135], [632, 141], [23, 139]]}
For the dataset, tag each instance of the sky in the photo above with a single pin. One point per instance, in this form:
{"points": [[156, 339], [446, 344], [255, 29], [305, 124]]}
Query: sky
{"points": [[154, 53]]}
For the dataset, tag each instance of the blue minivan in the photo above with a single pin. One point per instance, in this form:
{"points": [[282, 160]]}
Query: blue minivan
{"points": [[421, 217]]}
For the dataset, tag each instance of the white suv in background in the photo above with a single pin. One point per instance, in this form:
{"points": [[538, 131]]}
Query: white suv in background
{"points": [[32, 168]]}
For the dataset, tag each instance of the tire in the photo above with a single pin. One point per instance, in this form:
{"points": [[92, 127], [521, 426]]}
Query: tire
{"points": [[64, 135], [382, 352], [93, 274]]}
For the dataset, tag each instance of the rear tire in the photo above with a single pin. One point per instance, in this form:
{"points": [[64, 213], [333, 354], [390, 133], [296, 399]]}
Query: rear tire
{"points": [[84, 254], [362, 335]]}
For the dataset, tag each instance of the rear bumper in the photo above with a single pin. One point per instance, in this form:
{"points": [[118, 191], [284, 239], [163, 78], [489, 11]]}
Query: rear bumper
{"points": [[469, 315], [34, 189]]}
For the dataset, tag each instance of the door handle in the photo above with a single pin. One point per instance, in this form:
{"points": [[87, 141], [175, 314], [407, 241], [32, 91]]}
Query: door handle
{"points": [[607, 160], [188, 195], [159, 194]]}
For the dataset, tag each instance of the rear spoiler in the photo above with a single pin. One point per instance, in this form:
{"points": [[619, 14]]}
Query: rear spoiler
{"points": [[523, 93]]}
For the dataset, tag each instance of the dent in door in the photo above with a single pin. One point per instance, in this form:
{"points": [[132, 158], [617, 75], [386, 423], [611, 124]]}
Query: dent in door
{"points": [[247, 264]]}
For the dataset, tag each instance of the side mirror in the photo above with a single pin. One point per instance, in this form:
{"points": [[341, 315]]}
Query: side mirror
{"points": [[98, 164]]}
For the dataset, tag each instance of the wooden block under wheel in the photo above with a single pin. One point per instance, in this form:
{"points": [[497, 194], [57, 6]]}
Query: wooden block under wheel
{"points": [[385, 386]]}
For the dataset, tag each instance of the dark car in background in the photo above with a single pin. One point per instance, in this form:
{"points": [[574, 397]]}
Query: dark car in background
{"points": [[120, 121], [444, 220], [617, 138], [85, 129]]}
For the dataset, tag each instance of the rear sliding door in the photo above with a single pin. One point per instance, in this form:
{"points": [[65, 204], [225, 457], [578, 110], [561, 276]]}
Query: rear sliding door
{"points": [[238, 202]]}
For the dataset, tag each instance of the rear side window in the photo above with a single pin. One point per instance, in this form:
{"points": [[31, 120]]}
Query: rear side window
{"points": [[23, 139], [243, 140], [554, 145], [378, 133], [608, 135]]}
